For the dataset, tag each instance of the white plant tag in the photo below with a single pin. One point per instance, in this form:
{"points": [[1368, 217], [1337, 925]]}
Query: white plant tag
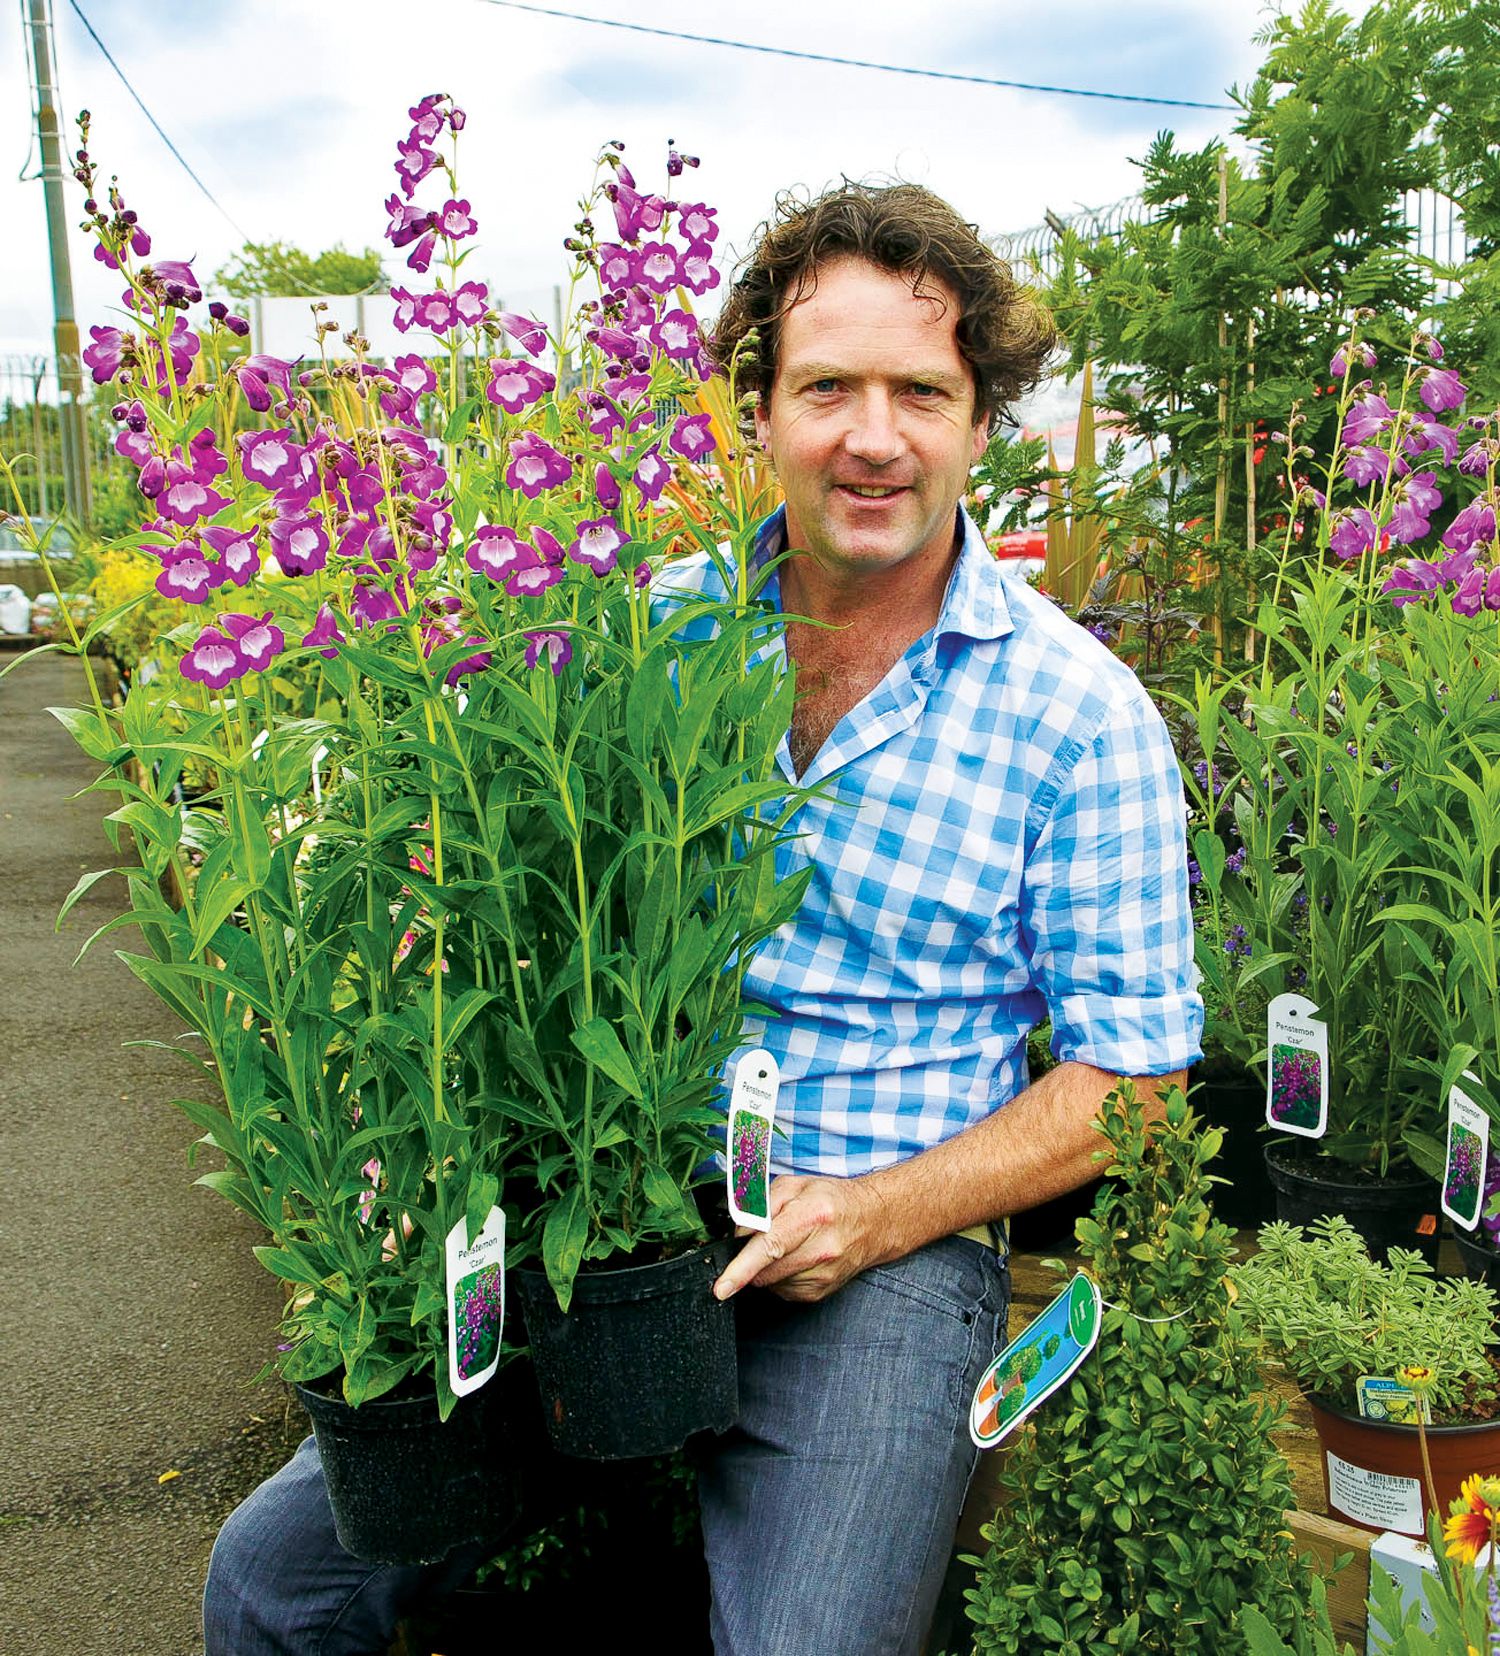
{"points": [[476, 1302], [1463, 1168], [1297, 1067], [747, 1170]]}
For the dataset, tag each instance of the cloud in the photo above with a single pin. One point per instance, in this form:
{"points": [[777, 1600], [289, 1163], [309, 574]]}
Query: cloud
{"points": [[290, 113]]}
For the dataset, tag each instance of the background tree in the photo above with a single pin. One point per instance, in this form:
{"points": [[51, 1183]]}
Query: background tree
{"points": [[277, 269]]}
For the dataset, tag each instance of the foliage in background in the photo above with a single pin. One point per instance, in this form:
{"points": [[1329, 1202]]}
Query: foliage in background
{"points": [[1143, 1506], [276, 268]]}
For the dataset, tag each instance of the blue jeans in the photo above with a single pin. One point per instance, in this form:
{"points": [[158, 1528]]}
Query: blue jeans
{"points": [[828, 1512]]}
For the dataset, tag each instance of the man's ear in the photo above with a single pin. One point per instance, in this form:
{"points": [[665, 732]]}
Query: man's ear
{"points": [[981, 439], [762, 424]]}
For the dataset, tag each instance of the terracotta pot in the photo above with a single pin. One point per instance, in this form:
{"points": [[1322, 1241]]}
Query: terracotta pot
{"points": [[1372, 1470]]}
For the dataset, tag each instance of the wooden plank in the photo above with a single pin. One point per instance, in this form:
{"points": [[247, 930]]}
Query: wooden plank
{"points": [[1329, 1541]]}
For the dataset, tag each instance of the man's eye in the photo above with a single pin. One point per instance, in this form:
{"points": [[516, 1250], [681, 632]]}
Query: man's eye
{"points": [[922, 389], [824, 385]]}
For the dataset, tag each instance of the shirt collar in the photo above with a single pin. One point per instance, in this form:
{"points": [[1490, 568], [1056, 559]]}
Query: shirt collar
{"points": [[974, 605]]}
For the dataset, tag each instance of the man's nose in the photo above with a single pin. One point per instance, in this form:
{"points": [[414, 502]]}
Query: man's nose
{"points": [[873, 436]]}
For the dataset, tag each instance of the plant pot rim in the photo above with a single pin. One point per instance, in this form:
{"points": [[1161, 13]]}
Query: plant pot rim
{"points": [[1278, 1153], [1322, 1405], [532, 1274]]}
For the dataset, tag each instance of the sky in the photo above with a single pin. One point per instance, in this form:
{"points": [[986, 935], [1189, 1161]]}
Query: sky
{"points": [[289, 112]]}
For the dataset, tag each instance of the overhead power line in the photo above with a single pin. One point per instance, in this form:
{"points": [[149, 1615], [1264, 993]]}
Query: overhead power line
{"points": [[853, 63], [181, 160]]}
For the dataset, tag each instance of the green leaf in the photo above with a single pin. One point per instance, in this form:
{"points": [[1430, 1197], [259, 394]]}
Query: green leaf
{"points": [[563, 1240], [599, 1044], [662, 1192], [458, 421], [484, 1191]]}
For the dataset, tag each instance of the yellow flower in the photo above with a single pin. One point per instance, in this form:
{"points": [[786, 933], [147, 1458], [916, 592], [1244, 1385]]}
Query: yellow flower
{"points": [[1471, 1527], [1418, 1376]]}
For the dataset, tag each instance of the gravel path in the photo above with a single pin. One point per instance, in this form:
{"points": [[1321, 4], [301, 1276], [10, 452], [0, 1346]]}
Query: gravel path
{"points": [[134, 1316]]}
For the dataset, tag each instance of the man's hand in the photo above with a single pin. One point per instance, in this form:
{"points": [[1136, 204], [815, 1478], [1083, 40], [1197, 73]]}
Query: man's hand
{"points": [[823, 1231]]}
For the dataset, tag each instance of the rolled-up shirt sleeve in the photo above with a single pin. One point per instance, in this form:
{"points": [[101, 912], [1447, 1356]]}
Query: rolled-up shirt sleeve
{"points": [[1105, 905]]}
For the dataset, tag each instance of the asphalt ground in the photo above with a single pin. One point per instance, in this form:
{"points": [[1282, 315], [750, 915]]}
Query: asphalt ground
{"points": [[133, 1317]]}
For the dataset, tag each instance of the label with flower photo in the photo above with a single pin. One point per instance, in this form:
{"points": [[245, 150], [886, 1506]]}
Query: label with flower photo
{"points": [[1297, 1067], [752, 1108], [476, 1302], [1463, 1168], [1390, 1400]]}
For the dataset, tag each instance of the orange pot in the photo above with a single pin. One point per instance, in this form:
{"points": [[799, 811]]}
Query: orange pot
{"points": [[1372, 1470]]}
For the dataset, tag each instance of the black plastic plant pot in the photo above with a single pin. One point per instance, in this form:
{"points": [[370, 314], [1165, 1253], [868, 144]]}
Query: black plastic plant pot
{"points": [[407, 1487], [643, 1359], [1478, 1255], [1399, 1212], [1233, 1099]]}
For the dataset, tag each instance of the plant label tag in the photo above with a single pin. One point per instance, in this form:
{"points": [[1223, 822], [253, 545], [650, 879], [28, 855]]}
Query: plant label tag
{"points": [[1036, 1363], [1297, 1070], [476, 1302], [752, 1108], [1382, 1399], [1468, 1149]]}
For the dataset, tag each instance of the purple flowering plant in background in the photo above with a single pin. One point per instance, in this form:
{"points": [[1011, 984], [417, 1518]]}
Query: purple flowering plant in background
{"points": [[1344, 785], [483, 821]]}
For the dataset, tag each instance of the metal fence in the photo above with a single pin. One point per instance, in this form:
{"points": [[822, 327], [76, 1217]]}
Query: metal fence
{"points": [[38, 421], [1434, 221]]}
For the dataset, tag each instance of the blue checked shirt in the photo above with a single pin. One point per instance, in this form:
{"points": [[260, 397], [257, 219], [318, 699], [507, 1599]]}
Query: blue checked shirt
{"points": [[1002, 838]]}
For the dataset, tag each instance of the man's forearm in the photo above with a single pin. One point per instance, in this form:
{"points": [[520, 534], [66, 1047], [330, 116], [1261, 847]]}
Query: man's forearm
{"points": [[1035, 1147]]}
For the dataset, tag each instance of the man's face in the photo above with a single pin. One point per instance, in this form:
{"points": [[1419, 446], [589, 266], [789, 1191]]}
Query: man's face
{"points": [[870, 421]]}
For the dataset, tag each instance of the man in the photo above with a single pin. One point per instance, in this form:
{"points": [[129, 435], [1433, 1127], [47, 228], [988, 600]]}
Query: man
{"points": [[1002, 837], [999, 836]]}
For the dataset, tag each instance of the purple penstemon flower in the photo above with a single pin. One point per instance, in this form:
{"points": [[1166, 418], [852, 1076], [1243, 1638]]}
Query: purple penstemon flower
{"points": [[414, 162], [535, 465], [324, 632], [1422, 491], [435, 312], [259, 375], [556, 646], [372, 606], [204, 458], [496, 551], [1427, 435], [529, 335], [153, 476], [104, 357], [455, 220], [617, 266], [692, 436], [406, 309], [256, 637], [238, 555], [213, 660], [676, 334], [1411, 580], [549, 548], [182, 347], [414, 375], [1355, 532], [530, 580], [299, 542], [1407, 524], [185, 500], [633, 211], [407, 221], [514, 385], [420, 257], [1366, 419], [186, 574], [1474, 525], [652, 475], [269, 458], [176, 278], [598, 544], [656, 267], [471, 303], [606, 487], [1476, 460], [1442, 389], [1469, 598], [695, 222], [617, 343], [1364, 465], [697, 271]]}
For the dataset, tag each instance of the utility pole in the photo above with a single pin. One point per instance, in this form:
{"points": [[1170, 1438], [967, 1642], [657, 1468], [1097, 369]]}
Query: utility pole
{"points": [[72, 410]]}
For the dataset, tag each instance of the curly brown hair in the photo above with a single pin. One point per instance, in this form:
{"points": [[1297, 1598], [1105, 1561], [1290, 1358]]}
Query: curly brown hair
{"points": [[1004, 332]]}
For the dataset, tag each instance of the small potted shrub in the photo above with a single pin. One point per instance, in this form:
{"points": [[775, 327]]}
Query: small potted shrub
{"points": [[1144, 1503], [1329, 1314]]}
